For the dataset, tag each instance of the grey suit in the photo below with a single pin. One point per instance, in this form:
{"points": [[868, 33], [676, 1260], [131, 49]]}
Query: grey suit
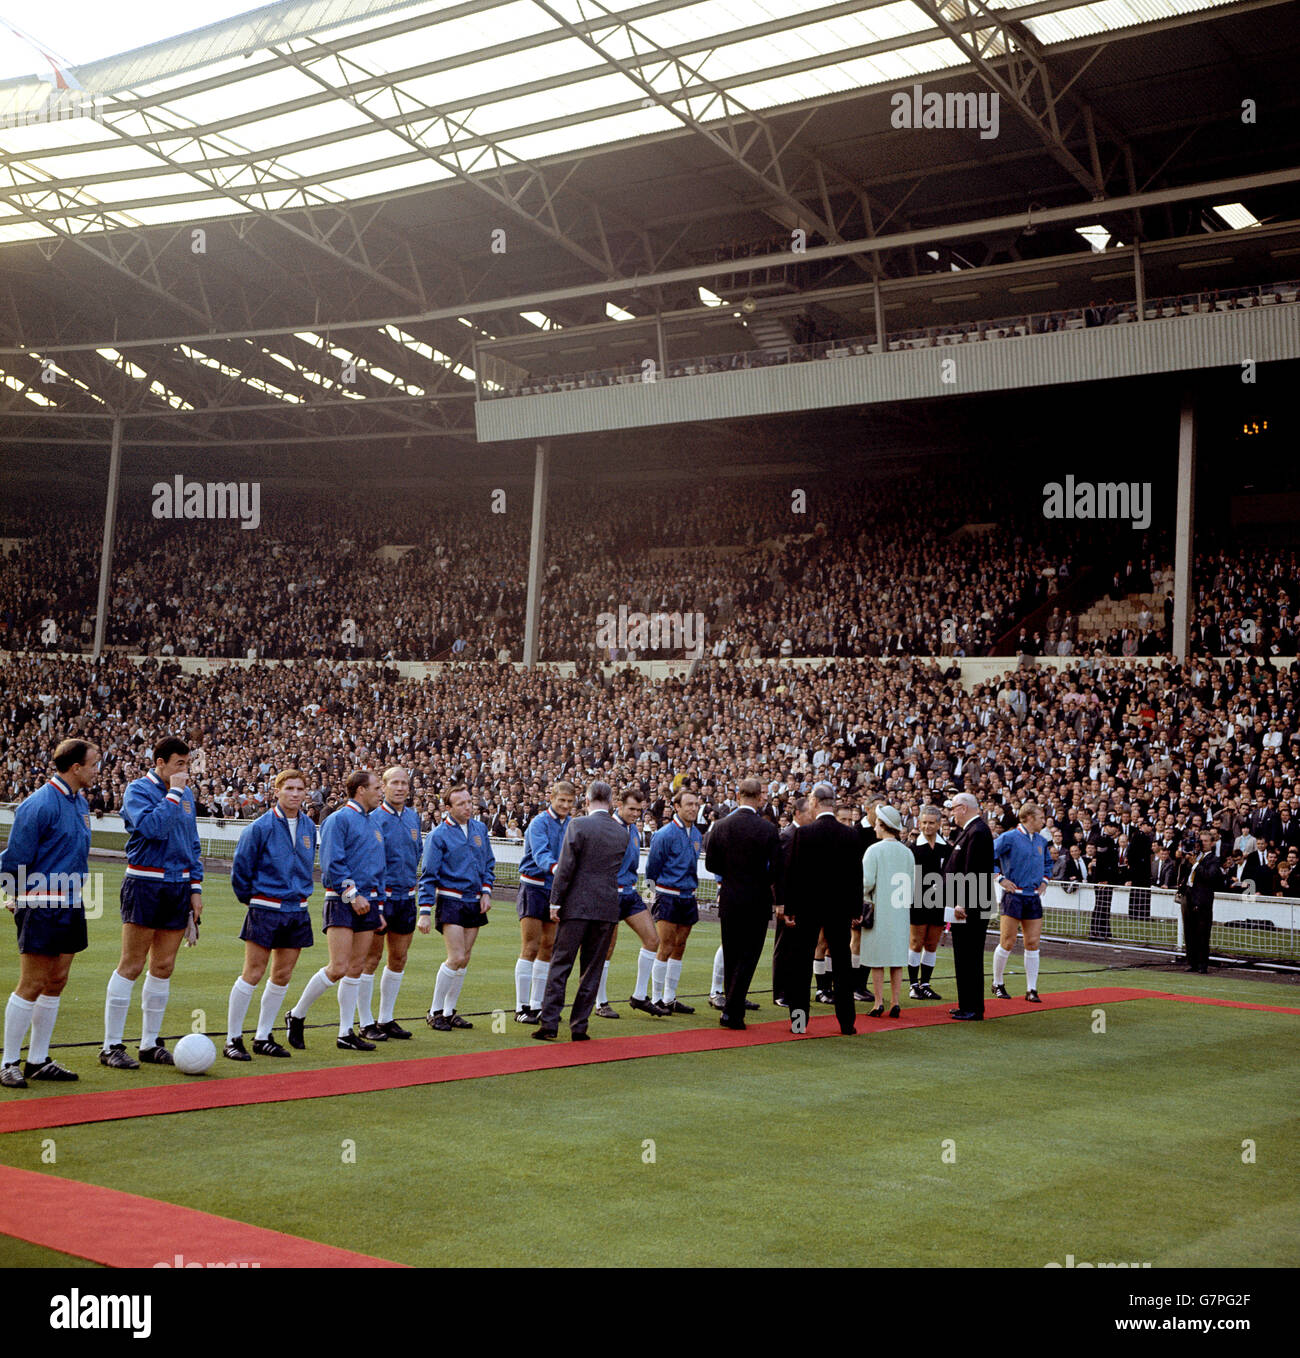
{"points": [[585, 887]]}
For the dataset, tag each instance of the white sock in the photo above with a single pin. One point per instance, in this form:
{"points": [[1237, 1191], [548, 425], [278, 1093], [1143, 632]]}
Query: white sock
{"points": [[541, 970], [719, 974], [116, 1005], [365, 994], [855, 959], [313, 990], [241, 996], [1031, 969], [645, 961], [453, 990], [1000, 955], [913, 958], [153, 1004], [348, 987], [523, 983], [43, 1015], [928, 958], [819, 969], [18, 1015], [658, 974], [674, 975], [272, 999], [389, 984], [441, 985]]}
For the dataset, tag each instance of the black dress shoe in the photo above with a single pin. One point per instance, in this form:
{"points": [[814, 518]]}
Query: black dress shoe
{"points": [[735, 1027], [544, 1035], [848, 1032], [373, 1032], [967, 1015], [751, 1004], [395, 1029], [353, 1043], [47, 1070], [297, 1030], [236, 1051], [579, 1037], [268, 1046]]}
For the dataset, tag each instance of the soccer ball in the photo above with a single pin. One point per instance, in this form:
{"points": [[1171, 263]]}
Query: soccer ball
{"points": [[193, 1054]]}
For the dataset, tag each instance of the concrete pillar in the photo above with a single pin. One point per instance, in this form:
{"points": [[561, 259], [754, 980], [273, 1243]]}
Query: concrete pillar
{"points": [[110, 528], [1183, 536], [536, 553]]}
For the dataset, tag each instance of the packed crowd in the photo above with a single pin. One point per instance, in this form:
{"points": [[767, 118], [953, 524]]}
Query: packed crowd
{"points": [[867, 567], [1115, 755]]}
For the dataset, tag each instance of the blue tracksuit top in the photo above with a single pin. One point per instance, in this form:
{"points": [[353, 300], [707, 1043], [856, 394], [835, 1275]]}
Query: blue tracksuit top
{"points": [[47, 857], [542, 842], [271, 871], [457, 864], [163, 835], [673, 864], [352, 852]]}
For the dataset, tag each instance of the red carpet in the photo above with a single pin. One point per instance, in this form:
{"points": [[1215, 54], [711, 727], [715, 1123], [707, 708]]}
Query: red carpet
{"points": [[22, 1114], [126, 1231]]}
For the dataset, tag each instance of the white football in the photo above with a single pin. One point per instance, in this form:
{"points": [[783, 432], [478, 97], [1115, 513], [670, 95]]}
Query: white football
{"points": [[194, 1053]]}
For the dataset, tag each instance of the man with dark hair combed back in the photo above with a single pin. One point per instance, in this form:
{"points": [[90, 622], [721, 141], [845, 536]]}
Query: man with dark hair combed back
{"points": [[161, 900]]}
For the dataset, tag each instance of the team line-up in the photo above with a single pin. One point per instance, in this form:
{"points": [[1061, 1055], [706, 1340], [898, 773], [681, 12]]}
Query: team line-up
{"points": [[383, 881]]}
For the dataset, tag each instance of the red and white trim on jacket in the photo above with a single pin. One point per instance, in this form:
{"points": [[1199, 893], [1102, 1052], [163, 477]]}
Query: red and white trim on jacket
{"points": [[152, 874], [533, 881], [270, 903], [356, 806], [60, 784], [388, 892]]}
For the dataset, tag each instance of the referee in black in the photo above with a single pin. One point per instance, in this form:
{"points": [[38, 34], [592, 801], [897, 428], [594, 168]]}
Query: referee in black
{"points": [[743, 851]]}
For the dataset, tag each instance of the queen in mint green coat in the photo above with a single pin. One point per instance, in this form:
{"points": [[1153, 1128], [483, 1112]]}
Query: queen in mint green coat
{"points": [[888, 869]]}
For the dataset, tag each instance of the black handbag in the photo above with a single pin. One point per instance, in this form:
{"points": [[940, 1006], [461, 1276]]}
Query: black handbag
{"points": [[869, 915]]}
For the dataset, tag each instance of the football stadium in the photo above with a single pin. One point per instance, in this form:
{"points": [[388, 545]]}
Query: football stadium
{"points": [[654, 634]]}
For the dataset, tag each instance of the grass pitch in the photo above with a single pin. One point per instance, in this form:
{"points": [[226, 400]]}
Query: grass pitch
{"points": [[1169, 1138]]}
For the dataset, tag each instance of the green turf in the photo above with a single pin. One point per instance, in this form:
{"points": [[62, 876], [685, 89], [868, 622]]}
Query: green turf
{"points": [[203, 976], [1117, 1146], [1122, 1146], [19, 1254]]}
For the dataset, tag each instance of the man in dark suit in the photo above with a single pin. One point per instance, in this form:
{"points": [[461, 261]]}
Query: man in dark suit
{"points": [[584, 901], [821, 889], [781, 935], [743, 851], [1139, 871], [1203, 876], [1166, 869], [968, 888]]}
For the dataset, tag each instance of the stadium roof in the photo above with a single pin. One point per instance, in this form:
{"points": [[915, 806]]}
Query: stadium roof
{"points": [[348, 101], [355, 164]]}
